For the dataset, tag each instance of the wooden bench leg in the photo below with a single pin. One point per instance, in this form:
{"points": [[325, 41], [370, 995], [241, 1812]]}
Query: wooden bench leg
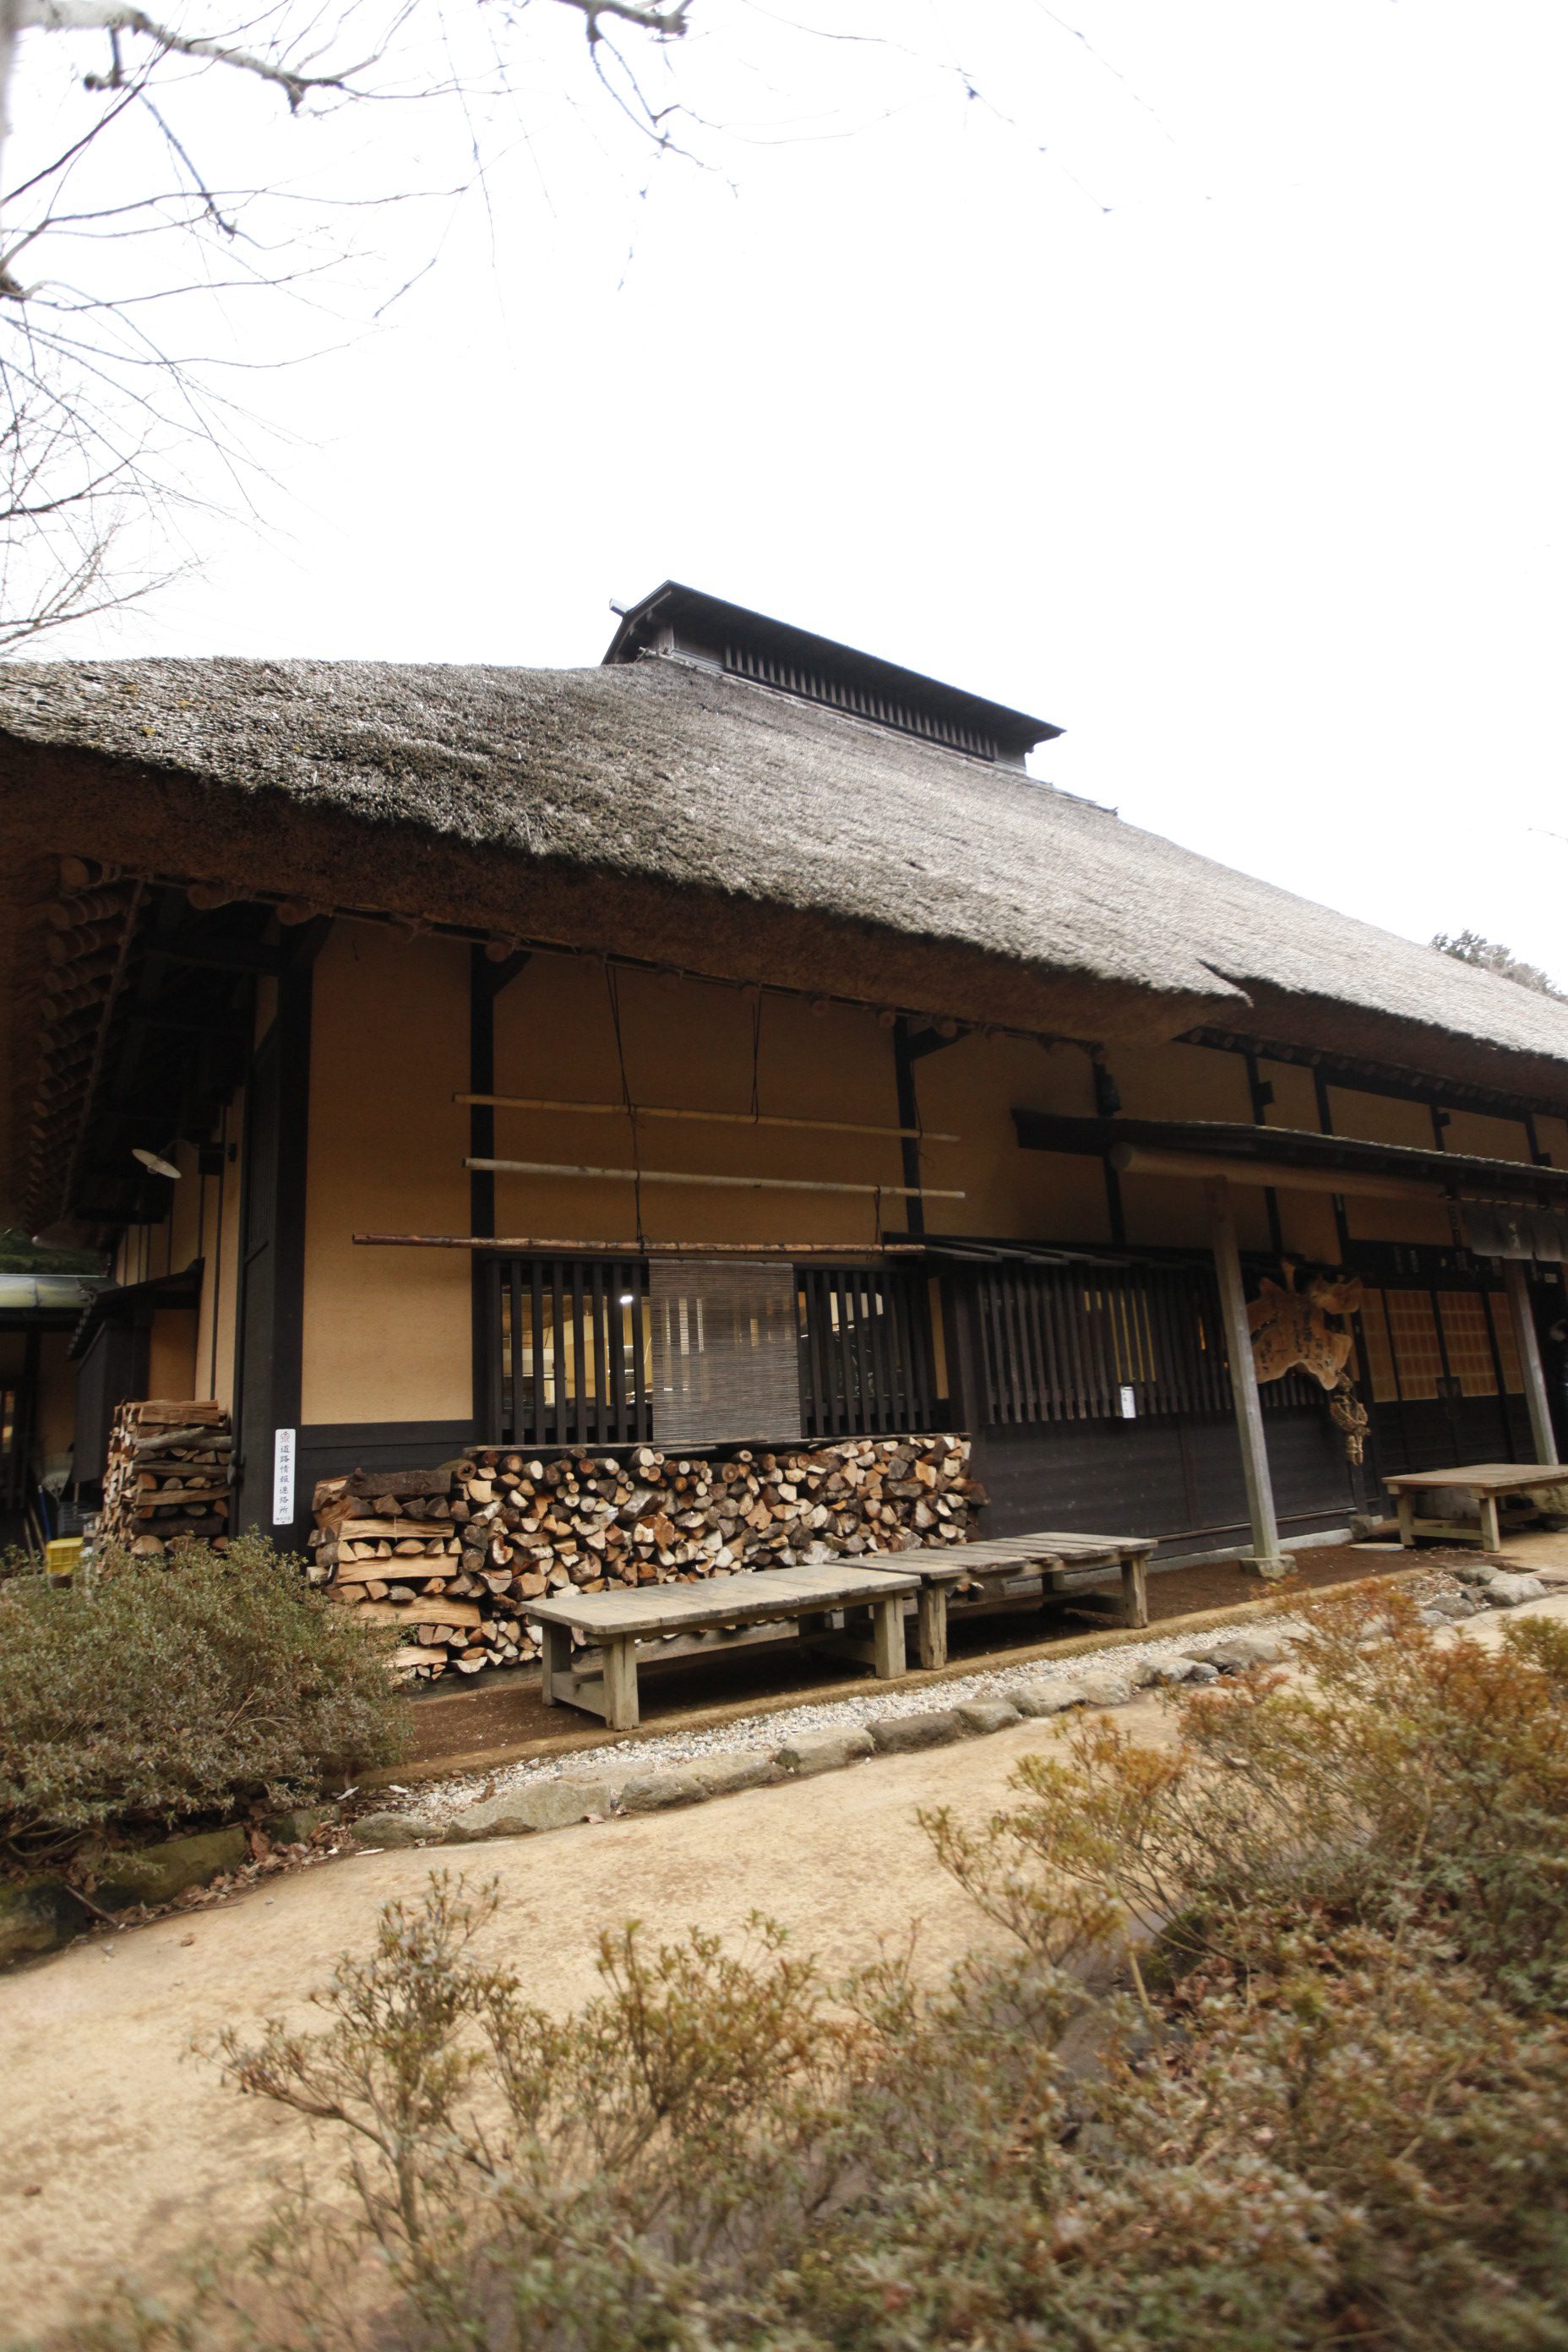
{"points": [[890, 1637], [554, 1663], [931, 1619], [621, 1684], [1135, 1589], [1491, 1530], [1404, 1505]]}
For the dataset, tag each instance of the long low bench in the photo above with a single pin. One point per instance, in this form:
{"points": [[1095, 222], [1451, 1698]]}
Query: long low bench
{"points": [[687, 1620], [1488, 1484], [1058, 1562]]}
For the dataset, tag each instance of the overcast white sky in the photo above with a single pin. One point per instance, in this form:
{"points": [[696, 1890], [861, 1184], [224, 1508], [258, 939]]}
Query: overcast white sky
{"points": [[1228, 431]]}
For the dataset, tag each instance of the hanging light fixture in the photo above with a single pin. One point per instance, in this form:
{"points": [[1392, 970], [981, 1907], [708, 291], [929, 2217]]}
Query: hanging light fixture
{"points": [[151, 1160]]}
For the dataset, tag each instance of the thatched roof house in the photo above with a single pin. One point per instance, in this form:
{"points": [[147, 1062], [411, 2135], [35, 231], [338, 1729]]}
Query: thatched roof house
{"points": [[400, 962], [716, 824]]}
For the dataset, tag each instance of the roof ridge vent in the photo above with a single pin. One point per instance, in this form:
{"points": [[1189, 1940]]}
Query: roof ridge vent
{"points": [[677, 620], [860, 701]]}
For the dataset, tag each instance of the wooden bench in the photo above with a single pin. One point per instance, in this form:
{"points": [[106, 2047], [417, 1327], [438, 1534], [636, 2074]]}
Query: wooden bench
{"points": [[699, 1617], [1488, 1483], [1061, 1563]]}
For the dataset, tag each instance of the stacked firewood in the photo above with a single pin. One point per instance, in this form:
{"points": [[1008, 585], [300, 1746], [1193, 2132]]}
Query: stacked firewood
{"points": [[448, 1556], [395, 1546], [168, 1476]]}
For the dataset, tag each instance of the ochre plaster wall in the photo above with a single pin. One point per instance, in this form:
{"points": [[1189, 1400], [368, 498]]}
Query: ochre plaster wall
{"points": [[1489, 1139], [1381, 1119], [1553, 1136], [220, 1232], [695, 1046], [387, 1332], [971, 1088], [388, 1335], [171, 1353], [1181, 1082], [57, 1394], [1295, 1102]]}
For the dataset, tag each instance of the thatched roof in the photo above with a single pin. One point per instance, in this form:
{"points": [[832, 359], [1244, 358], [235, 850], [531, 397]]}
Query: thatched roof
{"points": [[749, 819]]}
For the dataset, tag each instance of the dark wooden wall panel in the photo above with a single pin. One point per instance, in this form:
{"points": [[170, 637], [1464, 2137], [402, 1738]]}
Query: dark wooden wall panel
{"points": [[1174, 1477]]}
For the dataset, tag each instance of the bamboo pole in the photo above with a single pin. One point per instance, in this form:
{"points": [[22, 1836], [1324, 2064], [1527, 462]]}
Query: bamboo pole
{"points": [[728, 1183], [522, 1242], [712, 1118]]}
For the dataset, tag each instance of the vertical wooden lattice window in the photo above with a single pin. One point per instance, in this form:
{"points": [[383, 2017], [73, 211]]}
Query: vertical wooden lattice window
{"points": [[1379, 1353], [1081, 1343], [724, 1352], [1412, 1332], [1468, 1342], [867, 1362], [569, 1351]]}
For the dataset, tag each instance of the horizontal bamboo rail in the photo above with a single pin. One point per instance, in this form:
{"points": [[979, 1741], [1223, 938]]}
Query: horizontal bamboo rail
{"points": [[522, 1242], [712, 1118], [727, 1183]]}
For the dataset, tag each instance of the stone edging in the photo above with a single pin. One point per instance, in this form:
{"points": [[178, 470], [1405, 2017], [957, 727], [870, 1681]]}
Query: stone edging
{"points": [[542, 1804], [545, 1804]]}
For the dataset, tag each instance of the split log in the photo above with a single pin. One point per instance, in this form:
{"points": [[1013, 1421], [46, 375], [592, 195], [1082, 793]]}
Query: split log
{"points": [[168, 1476]]}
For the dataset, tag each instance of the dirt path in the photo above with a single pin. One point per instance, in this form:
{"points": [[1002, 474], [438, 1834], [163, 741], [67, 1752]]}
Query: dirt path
{"points": [[136, 2150]]}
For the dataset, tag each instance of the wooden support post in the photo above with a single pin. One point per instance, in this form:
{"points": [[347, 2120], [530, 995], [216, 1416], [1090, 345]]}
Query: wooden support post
{"points": [[1243, 1374], [1406, 1510], [890, 1637], [1491, 1530], [554, 1662], [930, 1619], [1135, 1589], [621, 1685], [1525, 1340]]}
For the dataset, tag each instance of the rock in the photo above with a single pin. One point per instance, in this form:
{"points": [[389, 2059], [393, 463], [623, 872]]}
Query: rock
{"points": [[1507, 1592], [297, 1827], [655, 1792], [1240, 1652], [982, 1714], [1200, 1671], [1166, 1670], [37, 1915], [1051, 1696], [1474, 1572], [823, 1751], [1105, 1690], [156, 1873], [397, 1829], [896, 1734], [725, 1776], [536, 1805], [1450, 1608]]}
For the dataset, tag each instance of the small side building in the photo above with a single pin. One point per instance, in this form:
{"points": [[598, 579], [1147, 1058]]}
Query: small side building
{"points": [[736, 1042]]}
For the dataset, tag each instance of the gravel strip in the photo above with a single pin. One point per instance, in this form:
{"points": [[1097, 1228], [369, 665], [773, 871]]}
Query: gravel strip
{"points": [[441, 1799]]}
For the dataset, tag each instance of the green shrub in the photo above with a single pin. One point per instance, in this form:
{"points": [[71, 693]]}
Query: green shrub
{"points": [[1332, 2111], [1405, 1780], [162, 1693]]}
